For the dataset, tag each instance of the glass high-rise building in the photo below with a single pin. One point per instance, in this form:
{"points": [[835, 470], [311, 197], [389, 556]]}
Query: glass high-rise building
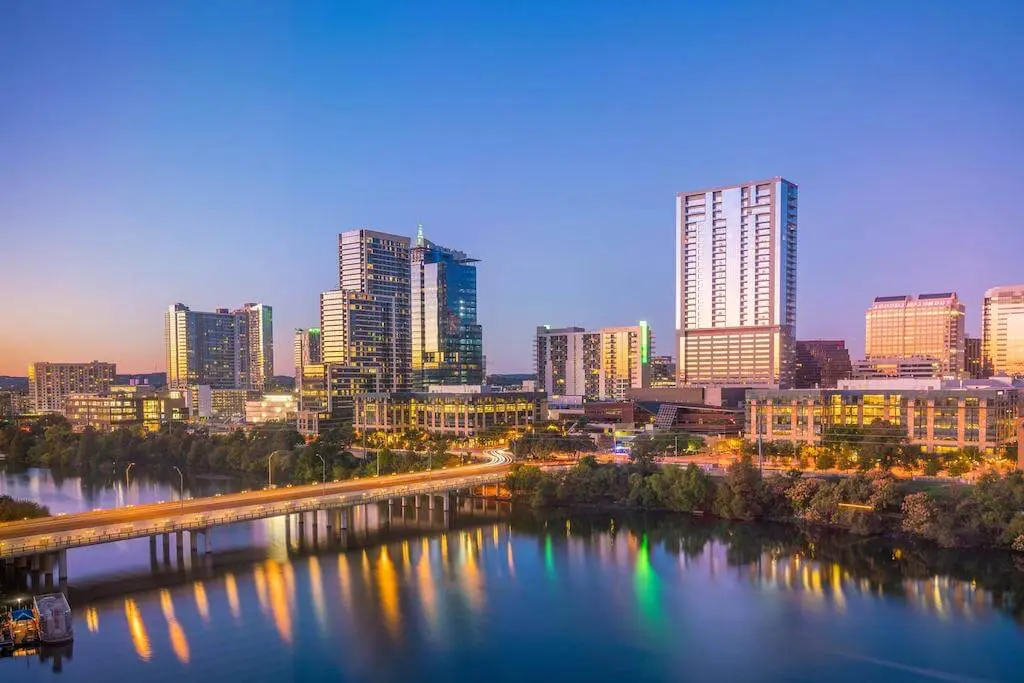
{"points": [[223, 349], [928, 326], [1002, 331], [447, 341], [736, 250]]}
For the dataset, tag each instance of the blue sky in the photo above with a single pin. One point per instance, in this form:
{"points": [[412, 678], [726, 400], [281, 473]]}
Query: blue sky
{"points": [[210, 152]]}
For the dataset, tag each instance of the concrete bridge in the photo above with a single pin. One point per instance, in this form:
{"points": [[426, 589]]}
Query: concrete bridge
{"points": [[39, 546]]}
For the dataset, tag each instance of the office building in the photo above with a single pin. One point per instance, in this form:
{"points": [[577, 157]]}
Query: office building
{"points": [[736, 266], [118, 408], [974, 359], [49, 384], [599, 365], [447, 341], [460, 411], [914, 327], [938, 415], [820, 363], [663, 372], [376, 265], [1002, 331], [221, 349]]}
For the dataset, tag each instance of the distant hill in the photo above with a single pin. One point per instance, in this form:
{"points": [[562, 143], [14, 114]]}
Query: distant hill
{"points": [[510, 379], [155, 379], [13, 383]]}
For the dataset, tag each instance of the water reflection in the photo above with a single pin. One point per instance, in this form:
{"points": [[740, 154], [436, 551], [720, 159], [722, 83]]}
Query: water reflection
{"points": [[140, 639], [617, 580]]}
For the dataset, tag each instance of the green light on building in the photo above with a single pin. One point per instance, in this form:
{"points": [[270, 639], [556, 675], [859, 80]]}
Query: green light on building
{"points": [[645, 342]]}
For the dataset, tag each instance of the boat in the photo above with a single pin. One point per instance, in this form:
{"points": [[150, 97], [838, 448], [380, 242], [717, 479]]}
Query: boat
{"points": [[18, 628], [53, 614]]}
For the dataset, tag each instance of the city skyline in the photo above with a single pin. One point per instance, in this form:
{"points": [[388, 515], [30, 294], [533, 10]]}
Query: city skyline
{"points": [[885, 170]]}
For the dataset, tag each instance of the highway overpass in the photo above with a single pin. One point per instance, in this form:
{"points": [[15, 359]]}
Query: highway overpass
{"points": [[38, 546]]}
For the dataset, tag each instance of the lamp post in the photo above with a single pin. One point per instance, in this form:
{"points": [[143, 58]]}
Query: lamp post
{"points": [[323, 476], [270, 470], [181, 490], [129, 469]]}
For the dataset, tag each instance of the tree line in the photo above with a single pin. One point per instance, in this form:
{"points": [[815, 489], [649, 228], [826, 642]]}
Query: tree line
{"points": [[12, 510], [50, 442], [990, 513]]}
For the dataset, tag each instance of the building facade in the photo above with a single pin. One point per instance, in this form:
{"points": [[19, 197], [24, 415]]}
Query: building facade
{"points": [[49, 384], [915, 327], [222, 349], [305, 349], [459, 413], [600, 365], [937, 419], [447, 341], [736, 266], [897, 368], [105, 412], [256, 346], [1002, 331], [271, 408], [820, 363], [663, 372], [974, 360]]}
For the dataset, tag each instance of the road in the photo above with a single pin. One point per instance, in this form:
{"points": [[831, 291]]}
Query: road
{"points": [[497, 462]]}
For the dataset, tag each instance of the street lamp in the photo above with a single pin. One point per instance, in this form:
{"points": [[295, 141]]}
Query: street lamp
{"points": [[130, 466], [270, 471], [323, 476], [181, 488]]}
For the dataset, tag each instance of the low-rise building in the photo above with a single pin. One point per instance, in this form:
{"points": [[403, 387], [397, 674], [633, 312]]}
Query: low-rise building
{"points": [[459, 411], [938, 415], [897, 368], [271, 408], [205, 401], [116, 409]]}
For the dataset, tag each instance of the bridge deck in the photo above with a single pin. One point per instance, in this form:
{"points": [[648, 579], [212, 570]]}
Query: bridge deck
{"points": [[51, 534]]}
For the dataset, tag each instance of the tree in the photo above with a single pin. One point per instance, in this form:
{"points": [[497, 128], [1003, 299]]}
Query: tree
{"points": [[740, 496]]}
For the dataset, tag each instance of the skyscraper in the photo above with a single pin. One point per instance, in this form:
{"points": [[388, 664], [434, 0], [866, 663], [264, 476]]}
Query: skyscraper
{"points": [[597, 365], [256, 349], [928, 326], [377, 266], [447, 342], [1002, 330], [736, 283], [222, 349]]}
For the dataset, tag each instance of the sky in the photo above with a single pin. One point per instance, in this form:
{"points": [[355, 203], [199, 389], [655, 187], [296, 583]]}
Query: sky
{"points": [[210, 152]]}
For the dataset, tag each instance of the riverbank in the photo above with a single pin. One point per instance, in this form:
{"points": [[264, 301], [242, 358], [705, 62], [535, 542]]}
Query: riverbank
{"points": [[985, 515], [12, 509]]}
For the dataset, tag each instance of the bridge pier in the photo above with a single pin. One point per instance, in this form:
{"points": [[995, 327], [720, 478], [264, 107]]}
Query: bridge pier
{"points": [[166, 542], [193, 547], [208, 541], [430, 501]]}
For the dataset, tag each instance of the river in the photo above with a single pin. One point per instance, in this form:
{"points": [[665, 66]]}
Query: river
{"points": [[511, 596]]}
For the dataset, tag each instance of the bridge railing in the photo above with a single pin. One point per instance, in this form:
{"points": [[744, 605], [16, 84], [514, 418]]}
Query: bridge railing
{"points": [[200, 521]]}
